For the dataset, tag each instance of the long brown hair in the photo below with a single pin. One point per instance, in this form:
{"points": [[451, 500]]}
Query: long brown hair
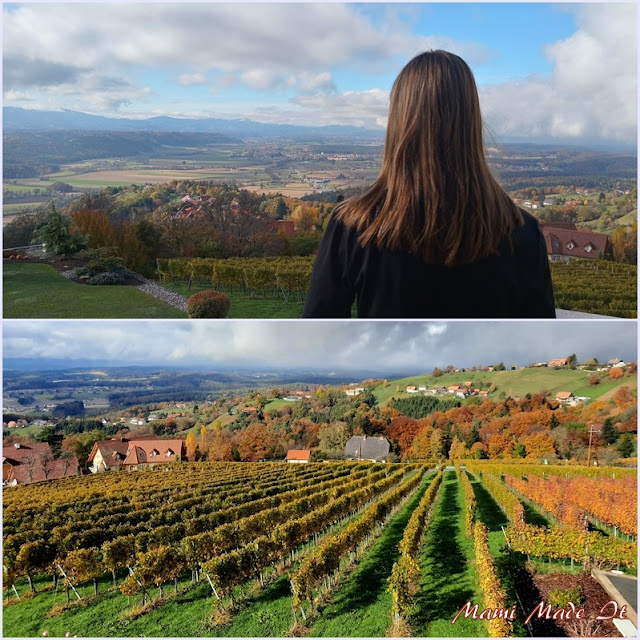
{"points": [[435, 196]]}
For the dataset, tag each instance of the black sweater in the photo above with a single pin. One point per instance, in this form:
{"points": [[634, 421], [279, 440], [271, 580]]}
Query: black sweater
{"points": [[397, 284]]}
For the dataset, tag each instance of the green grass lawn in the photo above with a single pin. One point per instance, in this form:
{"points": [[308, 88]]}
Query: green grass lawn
{"points": [[39, 291], [21, 207], [246, 305], [598, 390], [16, 187], [449, 577], [278, 403], [362, 607]]}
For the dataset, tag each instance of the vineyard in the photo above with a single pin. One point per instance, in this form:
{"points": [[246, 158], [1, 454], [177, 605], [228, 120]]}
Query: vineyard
{"points": [[272, 277], [325, 549], [592, 286], [595, 286]]}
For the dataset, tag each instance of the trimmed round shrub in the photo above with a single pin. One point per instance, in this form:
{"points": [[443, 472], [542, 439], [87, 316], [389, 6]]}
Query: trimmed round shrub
{"points": [[108, 277], [208, 304]]}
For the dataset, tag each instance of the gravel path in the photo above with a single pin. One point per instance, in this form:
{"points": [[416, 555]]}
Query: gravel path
{"points": [[156, 290]]}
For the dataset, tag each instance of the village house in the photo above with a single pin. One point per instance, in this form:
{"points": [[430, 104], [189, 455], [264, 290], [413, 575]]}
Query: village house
{"points": [[354, 392], [565, 397], [437, 391], [143, 451], [372, 448], [558, 362], [26, 463], [615, 362], [297, 456], [412, 389]]}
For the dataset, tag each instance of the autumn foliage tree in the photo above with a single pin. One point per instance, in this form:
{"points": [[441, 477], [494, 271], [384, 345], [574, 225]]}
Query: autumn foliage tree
{"points": [[220, 447], [402, 431], [257, 443], [458, 450], [615, 373], [191, 446]]}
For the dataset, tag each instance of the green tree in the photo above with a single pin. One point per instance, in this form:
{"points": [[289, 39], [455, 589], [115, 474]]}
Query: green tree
{"points": [[519, 451], [281, 209], [609, 433], [19, 232], [626, 447], [57, 236]]}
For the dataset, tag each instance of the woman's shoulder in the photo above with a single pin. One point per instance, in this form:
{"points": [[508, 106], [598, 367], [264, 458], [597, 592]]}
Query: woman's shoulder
{"points": [[529, 230], [337, 231]]}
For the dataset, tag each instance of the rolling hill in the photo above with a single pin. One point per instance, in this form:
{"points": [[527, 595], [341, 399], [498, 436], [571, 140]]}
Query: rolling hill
{"points": [[512, 383]]}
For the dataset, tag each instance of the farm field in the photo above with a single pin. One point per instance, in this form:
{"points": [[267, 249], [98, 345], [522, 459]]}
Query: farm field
{"points": [[229, 164], [350, 549]]}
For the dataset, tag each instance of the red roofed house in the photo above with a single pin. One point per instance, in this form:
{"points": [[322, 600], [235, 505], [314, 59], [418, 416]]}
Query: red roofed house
{"points": [[564, 241], [288, 226], [298, 455], [26, 463], [121, 453], [564, 396]]}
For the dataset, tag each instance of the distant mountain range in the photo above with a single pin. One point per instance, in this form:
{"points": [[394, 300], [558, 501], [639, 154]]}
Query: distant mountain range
{"points": [[319, 375], [15, 118]]}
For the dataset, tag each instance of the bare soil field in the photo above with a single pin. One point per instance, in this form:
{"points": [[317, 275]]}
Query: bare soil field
{"points": [[143, 176], [292, 189]]}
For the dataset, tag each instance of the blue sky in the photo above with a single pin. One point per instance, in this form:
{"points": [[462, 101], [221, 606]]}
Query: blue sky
{"points": [[343, 345], [544, 71]]}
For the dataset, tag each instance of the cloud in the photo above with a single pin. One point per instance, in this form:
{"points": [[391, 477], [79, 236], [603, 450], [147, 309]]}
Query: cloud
{"points": [[190, 79], [378, 346], [592, 91], [359, 108], [263, 79], [18, 96], [20, 72], [101, 92], [285, 37], [312, 82]]}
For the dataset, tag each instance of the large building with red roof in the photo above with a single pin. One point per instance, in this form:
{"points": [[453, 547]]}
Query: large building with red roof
{"points": [[564, 241], [144, 451]]}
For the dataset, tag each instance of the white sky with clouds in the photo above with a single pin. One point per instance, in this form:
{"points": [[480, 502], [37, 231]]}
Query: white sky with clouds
{"points": [[378, 346], [563, 72]]}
